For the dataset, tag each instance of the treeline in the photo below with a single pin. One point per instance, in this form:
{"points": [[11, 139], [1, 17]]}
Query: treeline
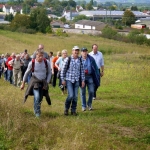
{"points": [[37, 21]]}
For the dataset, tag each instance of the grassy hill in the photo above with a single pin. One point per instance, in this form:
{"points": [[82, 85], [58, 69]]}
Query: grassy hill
{"points": [[121, 116]]}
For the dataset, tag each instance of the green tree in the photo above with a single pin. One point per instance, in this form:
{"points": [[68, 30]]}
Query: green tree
{"points": [[80, 17], [64, 3], [26, 8], [39, 19], [63, 19], [89, 6], [91, 2], [128, 18], [21, 20], [134, 8], [72, 3], [9, 17]]}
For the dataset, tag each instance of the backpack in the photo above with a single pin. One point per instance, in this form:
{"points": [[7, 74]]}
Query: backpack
{"points": [[33, 64]]}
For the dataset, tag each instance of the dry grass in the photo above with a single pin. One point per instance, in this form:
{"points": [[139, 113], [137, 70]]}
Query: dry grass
{"points": [[120, 119]]}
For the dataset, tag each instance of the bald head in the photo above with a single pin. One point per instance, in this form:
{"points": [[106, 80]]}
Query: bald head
{"points": [[41, 46]]}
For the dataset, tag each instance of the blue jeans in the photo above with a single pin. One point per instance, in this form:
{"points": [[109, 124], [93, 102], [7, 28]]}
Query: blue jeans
{"points": [[90, 86], [72, 95], [38, 96], [5, 75], [10, 74]]}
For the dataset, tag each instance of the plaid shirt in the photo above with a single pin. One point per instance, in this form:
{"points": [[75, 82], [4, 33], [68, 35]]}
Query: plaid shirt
{"points": [[74, 71]]}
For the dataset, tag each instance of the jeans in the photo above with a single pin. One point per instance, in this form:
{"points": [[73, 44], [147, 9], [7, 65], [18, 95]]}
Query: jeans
{"points": [[5, 75], [72, 95], [90, 86], [10, 74], [38, 96]]}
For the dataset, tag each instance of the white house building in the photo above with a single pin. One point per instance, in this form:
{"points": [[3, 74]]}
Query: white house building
{"points": [[89, 25], [69, 15], [12, 9]]}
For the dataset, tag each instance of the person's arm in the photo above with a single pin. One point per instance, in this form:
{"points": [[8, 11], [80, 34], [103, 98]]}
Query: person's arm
{"points": [[49, 73], [57, 63], [64, 70], [102, 66]]}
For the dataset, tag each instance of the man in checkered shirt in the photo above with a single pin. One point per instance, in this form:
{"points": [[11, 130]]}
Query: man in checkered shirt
{"points": [[72, 75]]}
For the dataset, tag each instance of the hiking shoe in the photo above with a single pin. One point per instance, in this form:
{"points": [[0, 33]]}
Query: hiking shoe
{"points": [[90, 108], [83, 109], [37, 115], [94, 98], [66, 112], [74, 113]]}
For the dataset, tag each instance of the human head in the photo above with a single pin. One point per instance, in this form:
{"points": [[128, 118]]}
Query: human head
{"points": [[50, 54], [27, 56], [58, 54], [84, 52], [26, 51], [2, 55], [18, 57], [64, 53], [13, 55], [95, 48], [39, 55], [41, 47], [75, 51]]}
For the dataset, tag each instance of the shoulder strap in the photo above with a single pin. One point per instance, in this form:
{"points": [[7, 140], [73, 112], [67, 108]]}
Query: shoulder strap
{"points": [[33, 64], [69, 59], [46, 65]]}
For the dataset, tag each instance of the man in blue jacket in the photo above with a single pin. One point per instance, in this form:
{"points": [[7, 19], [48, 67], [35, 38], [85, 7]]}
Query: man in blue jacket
{"points": [[92, 79]]}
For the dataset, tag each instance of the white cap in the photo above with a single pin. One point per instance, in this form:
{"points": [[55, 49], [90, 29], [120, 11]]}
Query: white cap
{"points": [[75, 47]]}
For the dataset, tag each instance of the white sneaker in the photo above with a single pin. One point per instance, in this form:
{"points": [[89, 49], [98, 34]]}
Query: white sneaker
{"points": [[94, 98], [90, 108], [83, 109]]}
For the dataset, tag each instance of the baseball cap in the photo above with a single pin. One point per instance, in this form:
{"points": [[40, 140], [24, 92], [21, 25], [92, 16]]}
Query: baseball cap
{"points": [[75, 48], [84, 49]]}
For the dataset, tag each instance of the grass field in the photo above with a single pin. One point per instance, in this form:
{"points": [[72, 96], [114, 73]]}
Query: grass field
{"points": [[121, 116]]}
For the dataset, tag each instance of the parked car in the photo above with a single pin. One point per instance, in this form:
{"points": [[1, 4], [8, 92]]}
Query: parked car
{"points": [[66, 26]]}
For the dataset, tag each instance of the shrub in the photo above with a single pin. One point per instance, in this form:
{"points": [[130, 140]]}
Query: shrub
{"points": [[59, 32], [109, 33], [24, 30], [140, 39]]}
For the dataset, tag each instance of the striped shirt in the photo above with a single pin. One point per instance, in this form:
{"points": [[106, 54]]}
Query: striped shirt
{"points": [[74, 71]]}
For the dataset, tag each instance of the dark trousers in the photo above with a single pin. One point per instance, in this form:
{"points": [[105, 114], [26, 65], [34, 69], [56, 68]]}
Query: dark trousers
{"points": [[55, 77]]}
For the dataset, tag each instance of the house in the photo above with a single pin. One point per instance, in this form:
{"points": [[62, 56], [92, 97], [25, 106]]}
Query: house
{"points": [[12, 9], [89, 25], [57, 24], [102, 14], [79, 8], [70, 14], [52, 16]]}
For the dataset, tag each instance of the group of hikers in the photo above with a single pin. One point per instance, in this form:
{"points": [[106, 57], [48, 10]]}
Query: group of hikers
{"points": [[41, 69]]}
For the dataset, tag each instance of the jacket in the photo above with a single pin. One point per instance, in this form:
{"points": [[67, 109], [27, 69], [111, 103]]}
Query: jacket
{"points": [[95, 71], [34, 83]]}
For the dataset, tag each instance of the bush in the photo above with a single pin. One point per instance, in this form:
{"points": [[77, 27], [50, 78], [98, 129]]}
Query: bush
{"points": [[140, 39], [2, 27], [24, 30], [60, 32], [109, 33]]}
